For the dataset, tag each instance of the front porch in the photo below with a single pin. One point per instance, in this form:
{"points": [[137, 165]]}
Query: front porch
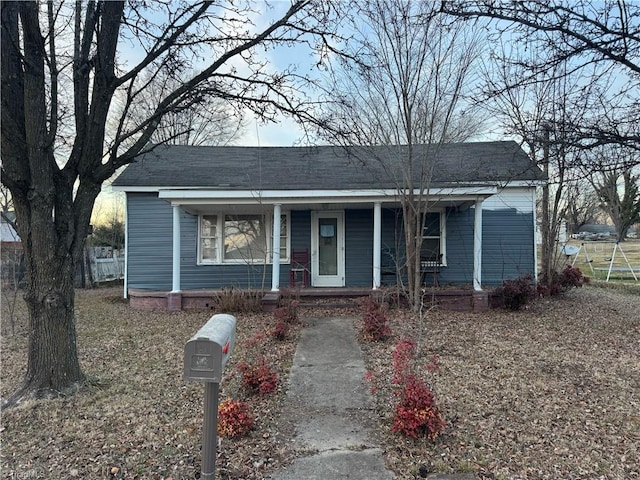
{"points": [[454, 299]]}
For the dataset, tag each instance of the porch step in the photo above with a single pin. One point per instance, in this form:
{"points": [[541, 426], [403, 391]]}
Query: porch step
{"points": [[270, 301], [318, 303]]}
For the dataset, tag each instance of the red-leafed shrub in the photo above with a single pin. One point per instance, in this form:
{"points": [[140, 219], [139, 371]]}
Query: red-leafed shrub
{"points": [[288, 312], [417, 413], [375, 322], [515, 294], [280, 331], [402, 358], [258, 378], [234, 418], [559, 283]]}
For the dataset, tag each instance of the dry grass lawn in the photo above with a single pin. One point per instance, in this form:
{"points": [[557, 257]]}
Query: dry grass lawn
{"points": [[550, 392], [599, 255], [139, 418]]}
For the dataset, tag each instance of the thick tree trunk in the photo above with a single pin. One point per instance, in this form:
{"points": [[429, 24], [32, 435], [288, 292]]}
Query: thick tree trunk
{"points": [[52, 363]]}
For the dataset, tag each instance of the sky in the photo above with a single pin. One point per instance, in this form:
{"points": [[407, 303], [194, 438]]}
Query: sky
{"points": [[285, 132]]}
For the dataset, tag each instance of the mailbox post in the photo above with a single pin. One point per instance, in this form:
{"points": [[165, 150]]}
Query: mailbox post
{"points": [[205, 356]]}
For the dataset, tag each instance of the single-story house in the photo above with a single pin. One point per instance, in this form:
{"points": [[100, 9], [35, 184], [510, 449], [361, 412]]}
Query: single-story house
{"points": [[201, 218]]}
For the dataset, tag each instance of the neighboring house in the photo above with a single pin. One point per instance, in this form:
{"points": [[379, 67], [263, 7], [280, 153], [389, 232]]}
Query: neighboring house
{"points": [[10, 253], [214, 217]]}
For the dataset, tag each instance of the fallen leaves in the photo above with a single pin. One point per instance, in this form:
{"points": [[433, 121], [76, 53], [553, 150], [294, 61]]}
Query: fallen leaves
{"points": [[550, 392], [544, 393], [138, 418]]}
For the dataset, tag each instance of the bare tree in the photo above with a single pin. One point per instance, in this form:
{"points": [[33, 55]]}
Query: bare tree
{"points": [[617, 185], [583, 205], [62, 65], [406, 90], [592, 38], [541, 114], [216, 121]]}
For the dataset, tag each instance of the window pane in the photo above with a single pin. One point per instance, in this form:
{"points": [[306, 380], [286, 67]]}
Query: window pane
{"points": [[430, 249], [432, 225], [208, 249], [244, 238], [208, 238], [209, 223]]}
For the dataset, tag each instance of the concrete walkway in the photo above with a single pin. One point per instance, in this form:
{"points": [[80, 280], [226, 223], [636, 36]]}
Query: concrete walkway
{"points": [[328, 405]]}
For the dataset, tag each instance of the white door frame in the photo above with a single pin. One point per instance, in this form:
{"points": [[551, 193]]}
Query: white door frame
{"points": [[318, 280]]}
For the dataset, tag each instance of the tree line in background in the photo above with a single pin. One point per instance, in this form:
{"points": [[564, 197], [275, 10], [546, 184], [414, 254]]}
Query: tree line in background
{"points": [[562, 77], [565, 80]]}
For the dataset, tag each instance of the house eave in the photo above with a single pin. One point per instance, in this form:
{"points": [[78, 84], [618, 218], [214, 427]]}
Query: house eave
{"points": [[186, 197]]}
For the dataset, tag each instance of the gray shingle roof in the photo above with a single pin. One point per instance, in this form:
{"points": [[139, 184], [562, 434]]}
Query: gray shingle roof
{"points": [[324, 167]]}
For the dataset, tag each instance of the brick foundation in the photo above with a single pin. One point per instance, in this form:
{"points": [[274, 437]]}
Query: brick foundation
{"points": [[174, 301], [480, 301]]}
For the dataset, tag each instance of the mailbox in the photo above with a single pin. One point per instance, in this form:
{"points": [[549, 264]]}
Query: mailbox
{"points": [[206, 354]]}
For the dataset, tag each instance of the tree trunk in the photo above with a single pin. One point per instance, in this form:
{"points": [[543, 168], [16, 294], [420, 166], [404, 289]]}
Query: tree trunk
{"points": [[413, 241], [52, 360]]}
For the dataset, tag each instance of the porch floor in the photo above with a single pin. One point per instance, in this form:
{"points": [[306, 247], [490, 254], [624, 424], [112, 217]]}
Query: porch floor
{"points": [[446, 298]]}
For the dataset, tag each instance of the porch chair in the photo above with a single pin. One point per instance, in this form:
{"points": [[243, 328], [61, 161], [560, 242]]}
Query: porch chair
{"points": [[430, 269], [299, 266]]}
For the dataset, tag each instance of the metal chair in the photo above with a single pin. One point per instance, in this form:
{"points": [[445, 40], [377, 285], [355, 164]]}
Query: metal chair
{"points": [[430, 269], [299, 266]]}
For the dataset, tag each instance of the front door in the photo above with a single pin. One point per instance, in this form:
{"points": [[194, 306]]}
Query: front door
{"points": [[327, 249]]}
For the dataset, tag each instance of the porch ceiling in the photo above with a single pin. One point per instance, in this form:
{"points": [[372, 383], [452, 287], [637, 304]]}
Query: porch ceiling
{"points": [[203, 201]]}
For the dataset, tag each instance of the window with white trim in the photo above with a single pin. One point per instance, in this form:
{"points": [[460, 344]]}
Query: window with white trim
{"points": [[433, 237], [284, 237], [208, 243], [240, 238]]}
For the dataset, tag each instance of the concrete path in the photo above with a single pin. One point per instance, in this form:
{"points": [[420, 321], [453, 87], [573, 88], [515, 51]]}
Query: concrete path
{"points": [[327, 403]]}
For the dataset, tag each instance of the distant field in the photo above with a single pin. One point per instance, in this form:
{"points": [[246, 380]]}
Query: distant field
{"points": [[600, 254]]}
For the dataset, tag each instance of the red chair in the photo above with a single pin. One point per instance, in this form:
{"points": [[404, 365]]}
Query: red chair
{"points": [[299, 267]]}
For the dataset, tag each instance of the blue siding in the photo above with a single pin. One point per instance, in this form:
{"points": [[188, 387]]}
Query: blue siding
{"points": [[150, 226], [507, 247], [359, 248], [393, 244], [459, 248], [300, 240]]}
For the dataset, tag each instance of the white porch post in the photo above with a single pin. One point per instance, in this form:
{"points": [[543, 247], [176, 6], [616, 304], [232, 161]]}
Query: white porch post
{"points": [[175, 287], [377, 243], [126, 246], [275, 267], [477, 247]]}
